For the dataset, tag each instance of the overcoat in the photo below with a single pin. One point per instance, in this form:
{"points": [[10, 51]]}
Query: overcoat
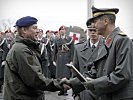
{"points": [[114, 66], [83, 55], [63, 54]]}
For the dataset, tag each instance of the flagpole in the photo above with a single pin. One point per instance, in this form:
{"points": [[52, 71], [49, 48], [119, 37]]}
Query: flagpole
{"points": [[90, 3]]}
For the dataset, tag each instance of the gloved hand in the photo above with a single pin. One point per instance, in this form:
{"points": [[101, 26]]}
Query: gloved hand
{"points": [[88, 85]]}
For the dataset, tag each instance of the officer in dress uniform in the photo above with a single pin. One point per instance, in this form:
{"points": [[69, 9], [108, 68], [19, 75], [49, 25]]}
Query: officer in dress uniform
{"points": [[114, 63]]}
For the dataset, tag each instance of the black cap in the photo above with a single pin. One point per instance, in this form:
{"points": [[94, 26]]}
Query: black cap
{"points": [[103, 11], [26, 21], [99, 12], [90, 22]]}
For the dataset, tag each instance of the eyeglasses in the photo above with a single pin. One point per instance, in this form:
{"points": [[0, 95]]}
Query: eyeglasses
{"points": [[94, 30]]}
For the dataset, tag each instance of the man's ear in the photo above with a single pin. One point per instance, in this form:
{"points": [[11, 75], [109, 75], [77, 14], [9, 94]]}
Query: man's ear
{"points": [[106, 20], [24, 30]]}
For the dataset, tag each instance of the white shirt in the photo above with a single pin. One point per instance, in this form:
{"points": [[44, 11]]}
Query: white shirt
{"points": [[94, 44]]}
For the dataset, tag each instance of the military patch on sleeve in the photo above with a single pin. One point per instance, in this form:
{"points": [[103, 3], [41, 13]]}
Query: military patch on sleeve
{"points": [[30, 60]]}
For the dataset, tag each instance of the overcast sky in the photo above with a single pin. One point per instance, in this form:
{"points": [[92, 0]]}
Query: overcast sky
{"points": [[50, 13], [54, 13]]}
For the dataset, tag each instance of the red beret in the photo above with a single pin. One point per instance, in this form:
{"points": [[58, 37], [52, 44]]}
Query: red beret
{"points": [[8, 31], [56, 32], [62, 27], [47, 31]]}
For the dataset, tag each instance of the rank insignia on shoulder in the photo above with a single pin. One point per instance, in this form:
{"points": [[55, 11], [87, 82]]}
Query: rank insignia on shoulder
{"points": [[108, 41], [79, 42]]}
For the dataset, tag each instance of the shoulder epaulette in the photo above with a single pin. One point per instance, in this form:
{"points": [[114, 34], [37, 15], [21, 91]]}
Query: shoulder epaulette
{"points": [[123, 34], [79, 42]]}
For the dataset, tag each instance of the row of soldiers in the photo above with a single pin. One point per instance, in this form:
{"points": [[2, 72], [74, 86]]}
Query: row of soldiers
{"points": [[56, 52], [6, 41]]}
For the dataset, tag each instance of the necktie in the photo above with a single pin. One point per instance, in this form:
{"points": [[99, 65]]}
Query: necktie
{"points": [[93, 47]]}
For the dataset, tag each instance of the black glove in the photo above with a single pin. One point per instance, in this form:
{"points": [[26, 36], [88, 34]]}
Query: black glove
{"points": [[88, 85]]}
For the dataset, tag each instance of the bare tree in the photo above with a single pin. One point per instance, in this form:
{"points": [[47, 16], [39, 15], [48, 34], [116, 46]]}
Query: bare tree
{"points": [[6, 24]]}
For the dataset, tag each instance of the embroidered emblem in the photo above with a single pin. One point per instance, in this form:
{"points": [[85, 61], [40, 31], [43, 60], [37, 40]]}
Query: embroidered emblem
{"points": [[30, 60], [108, 41]]}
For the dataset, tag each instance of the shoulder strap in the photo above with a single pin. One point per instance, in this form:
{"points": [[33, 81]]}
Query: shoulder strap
{"points": [[2, 42]]}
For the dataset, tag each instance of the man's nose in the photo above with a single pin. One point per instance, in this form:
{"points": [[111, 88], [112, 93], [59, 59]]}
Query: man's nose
{"points": [[37, 31]]}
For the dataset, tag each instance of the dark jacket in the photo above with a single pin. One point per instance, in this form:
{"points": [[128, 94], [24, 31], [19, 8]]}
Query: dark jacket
{"points": [[114, 66], [23, 74]]}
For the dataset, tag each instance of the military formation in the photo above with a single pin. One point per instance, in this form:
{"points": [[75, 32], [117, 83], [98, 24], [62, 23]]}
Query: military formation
{"points": [[32, 63]]}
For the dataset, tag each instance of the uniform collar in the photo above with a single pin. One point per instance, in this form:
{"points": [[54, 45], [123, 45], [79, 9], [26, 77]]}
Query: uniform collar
{"points": [[27, 42], [95, 44], [110, 37]]}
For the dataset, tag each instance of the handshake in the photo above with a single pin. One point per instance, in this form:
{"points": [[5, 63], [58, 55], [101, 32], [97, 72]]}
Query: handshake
{"points": [[76, 85], [80, 83], [65, 83]]}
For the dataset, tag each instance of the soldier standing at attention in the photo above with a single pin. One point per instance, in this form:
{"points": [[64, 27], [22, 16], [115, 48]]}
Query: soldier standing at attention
{"points": [[63, 54], [84, 55], [50, 42]]}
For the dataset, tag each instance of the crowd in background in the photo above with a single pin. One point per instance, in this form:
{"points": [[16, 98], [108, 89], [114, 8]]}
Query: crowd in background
{"points": [[57, 49]]}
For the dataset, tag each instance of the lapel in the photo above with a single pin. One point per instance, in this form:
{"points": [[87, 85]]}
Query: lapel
{"points": [[94, 54], [104, 49], [86, 50]]}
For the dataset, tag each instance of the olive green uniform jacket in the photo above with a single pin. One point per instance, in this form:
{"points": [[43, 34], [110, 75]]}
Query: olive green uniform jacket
{"points": [[23, 74]]}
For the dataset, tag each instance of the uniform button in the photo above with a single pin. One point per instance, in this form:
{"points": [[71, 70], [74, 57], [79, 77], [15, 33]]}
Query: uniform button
{"points": [[84, 66]]}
